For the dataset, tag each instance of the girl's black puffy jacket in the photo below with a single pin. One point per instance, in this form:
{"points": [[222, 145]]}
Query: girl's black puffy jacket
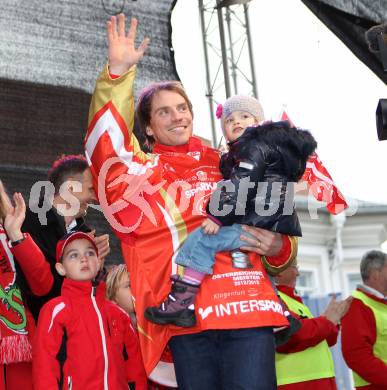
{"points": [[259, 173]]}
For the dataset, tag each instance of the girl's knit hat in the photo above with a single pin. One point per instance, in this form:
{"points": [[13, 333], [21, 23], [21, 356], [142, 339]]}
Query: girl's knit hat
{"points": [[240, 103]]}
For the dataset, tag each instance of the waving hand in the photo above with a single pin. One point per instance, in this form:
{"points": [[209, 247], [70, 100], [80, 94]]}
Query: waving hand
{"points": [[122, 51], [15, 218]]}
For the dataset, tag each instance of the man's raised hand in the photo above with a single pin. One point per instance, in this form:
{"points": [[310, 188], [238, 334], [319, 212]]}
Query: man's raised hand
{"points": [[122, 51]]}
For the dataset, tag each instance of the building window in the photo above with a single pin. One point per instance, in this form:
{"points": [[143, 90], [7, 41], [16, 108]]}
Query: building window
{"points": [[353, 281], [306, 283]]}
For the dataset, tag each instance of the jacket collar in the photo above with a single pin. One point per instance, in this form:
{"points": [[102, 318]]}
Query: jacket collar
{"points": [[54, 218], [245, 134], [194, 145], [372, 292], [290, 291], [76, 289]]}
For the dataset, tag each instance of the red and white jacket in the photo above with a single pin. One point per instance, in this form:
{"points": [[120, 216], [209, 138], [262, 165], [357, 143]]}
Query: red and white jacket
{"points": [[34, 265], [125, 341], [153, 201], [95, 337], [358, 337]]}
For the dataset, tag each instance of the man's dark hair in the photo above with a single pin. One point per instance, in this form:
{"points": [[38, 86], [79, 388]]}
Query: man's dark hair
{"points": [[65, 167], [144, 104], [370, 261]]}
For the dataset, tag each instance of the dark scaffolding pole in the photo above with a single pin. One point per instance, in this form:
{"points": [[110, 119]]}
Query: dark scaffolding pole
{"points": [[228, 52], [209, 91]]}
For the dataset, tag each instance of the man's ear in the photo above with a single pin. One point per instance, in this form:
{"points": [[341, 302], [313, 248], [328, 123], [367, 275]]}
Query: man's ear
{"points": [[68, 186], [74, 183], [149, 131], [60, 269]]}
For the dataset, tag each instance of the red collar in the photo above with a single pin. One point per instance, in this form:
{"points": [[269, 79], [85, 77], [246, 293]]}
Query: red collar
{"points": [[76, 289], [194, 145], [375, 298], [290, 291]]}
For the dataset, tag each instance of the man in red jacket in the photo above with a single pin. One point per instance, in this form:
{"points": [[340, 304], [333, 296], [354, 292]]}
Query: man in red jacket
{"points": [[153, 201], [305, 361], [364, 328]]}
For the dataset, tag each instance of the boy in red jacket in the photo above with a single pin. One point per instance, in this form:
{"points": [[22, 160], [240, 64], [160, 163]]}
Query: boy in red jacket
{"points": [[84, 341]]}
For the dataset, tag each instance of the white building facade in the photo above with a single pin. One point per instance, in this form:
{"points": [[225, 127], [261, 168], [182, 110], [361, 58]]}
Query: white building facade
{"points": [[331, 247], [329, 255]]}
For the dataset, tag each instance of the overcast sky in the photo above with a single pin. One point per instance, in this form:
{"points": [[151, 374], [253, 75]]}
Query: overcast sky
{"points": [[302, 65]]}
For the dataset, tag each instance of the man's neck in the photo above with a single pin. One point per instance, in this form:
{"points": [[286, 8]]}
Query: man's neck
{"points": [[372, 290], [194, 144], [59, 204]]}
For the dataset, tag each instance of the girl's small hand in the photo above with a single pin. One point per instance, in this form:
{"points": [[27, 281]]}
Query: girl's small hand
{"points": [[210, 227]]}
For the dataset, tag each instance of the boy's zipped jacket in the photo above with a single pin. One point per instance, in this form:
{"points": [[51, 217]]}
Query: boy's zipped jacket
{"points": [[86, 342]]}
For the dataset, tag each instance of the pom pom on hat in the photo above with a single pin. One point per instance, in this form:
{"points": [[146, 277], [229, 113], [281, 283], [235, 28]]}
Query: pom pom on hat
{"points": [[219, 111]]}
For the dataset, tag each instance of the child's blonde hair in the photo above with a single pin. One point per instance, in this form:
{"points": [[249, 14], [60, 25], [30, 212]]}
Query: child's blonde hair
{"points": [[113, 280]]}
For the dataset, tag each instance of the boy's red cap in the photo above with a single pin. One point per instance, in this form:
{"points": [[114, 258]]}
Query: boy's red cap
{"points": [[63, 242]]}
